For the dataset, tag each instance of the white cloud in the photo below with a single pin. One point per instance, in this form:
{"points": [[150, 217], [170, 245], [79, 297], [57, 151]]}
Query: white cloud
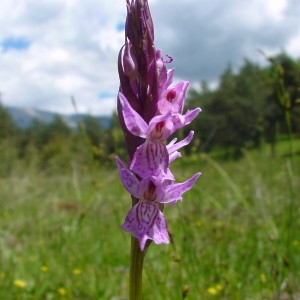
{"points": [[293, 47], [73, 45], [73, 48], [211, 34]]}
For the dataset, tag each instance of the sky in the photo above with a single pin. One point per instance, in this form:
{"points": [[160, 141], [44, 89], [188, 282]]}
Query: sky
{"points": [[52, 50]]}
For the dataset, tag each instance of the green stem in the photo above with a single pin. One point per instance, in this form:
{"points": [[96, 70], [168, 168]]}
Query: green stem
{"points": [[136, 270]]}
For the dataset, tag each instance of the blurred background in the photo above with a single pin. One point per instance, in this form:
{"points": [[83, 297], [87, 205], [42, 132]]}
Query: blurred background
{"points": [[237, 233], [50, 50]]}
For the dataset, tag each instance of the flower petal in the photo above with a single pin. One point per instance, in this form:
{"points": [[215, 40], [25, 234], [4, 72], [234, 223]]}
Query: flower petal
{"points": [[173, 192], [190, 115], [164, 75], [173, 98], [172, 147], [145, 221], [161, 127], [150, 159], [182, 120], [129, 180], [134, 122]]}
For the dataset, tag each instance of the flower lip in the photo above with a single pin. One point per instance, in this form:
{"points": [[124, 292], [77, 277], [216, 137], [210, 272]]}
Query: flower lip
{"points": [[146, 222]]}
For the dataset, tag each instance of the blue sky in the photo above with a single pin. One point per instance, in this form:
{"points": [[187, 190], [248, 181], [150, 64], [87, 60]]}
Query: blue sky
{"points": [[12, 43], [51, 50]]}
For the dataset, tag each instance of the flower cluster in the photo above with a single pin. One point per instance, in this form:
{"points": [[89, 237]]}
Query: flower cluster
{"points": [[150, 111]]}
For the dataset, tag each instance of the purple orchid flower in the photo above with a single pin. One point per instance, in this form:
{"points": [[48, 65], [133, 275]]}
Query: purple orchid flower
{"points": [[150, 110], [160, 127], [153, 152], [145, 221], [157, 157], [172, 99]]}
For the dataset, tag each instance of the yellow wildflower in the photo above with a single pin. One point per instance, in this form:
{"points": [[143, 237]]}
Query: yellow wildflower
{"points": [[20, 283], [62, 291], [44, 269], [77, 271], [212, 290], [263, 277]]}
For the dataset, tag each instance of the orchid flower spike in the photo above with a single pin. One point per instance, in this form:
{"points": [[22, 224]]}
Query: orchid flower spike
{"points": [[150, 110]]}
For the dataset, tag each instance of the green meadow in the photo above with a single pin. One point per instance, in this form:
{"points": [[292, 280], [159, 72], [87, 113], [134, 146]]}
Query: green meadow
{"points": [[236, 234]]}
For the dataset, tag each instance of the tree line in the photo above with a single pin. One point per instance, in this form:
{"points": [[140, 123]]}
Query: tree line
{"points": [[55, 146], [251, 106]]}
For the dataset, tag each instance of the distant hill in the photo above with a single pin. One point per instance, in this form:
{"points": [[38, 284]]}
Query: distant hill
{"points": [[23, 117]]}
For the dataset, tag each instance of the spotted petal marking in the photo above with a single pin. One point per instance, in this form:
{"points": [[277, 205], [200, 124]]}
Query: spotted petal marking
{"points": [[152, 159], [173, 98], [145, 221]]}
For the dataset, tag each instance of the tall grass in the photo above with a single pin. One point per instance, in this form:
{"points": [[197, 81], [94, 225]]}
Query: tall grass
{"points": [[60, 235]]}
